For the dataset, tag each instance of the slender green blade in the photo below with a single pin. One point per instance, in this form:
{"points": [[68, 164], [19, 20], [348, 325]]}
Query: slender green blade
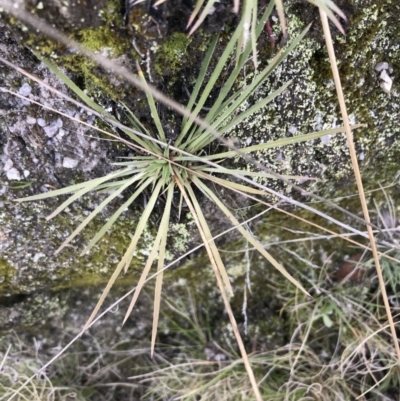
{"points": [[253, 35], [204, 140], [153, 108], [254, 109], [142, 224], [215, 110], [79, 92], [136, 124], [199, 82], [193, 145], [115, 216], [71, 188], [91, 186], [96, 212], [109, 187], [213, 79], [280, 142], [246, 18]]}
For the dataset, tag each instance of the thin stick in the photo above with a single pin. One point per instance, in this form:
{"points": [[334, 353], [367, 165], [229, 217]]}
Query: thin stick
{"points": [[339, 90]]}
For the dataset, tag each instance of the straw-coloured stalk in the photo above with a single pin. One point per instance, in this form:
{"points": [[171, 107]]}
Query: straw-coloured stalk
{"points": [[343, 109]]}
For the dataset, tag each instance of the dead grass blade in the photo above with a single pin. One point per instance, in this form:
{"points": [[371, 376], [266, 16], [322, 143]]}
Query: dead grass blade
{"points": [[328, 6], [281, 15], [246, 235], [339, 90], [205, 232], [234, 187], [116, 303], [228, 308], [143, 276], [161, 258], [127, 258]]}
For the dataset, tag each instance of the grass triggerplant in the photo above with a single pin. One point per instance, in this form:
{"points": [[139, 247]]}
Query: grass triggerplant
{"points": [[165, 168]]}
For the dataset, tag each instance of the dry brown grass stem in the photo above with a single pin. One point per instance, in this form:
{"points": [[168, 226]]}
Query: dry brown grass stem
{"points": [[339, 90], [206, 241]]}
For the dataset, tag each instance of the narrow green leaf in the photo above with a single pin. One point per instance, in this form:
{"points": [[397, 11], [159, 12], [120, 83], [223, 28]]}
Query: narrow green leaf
{"points": [[115, 216], [253, 36], [70, 189], [280, 142], [95, 213], [141, 225], [82, 95], [132, 164], [255, 108], [204, 140], [215, 110], [246, 18], [112, 186], [213, 78], [192, 146], [91, 186], [153, 108], [136, 124], [199, 82]]}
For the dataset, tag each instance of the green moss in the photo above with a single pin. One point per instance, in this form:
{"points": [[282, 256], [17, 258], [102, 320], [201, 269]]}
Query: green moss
{"points": [[173, 54], [107, 38], [7, 273]]}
